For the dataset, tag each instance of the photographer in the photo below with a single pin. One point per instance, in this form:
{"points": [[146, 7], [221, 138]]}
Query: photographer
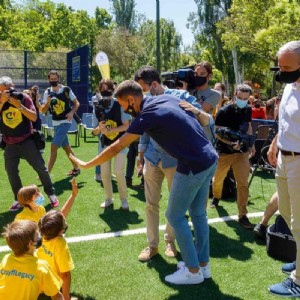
{"points": [[237, 117], [112, 123], [63, 105], [17, 114]]}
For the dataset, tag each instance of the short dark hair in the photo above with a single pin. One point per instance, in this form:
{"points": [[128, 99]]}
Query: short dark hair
{"points": [[110, 84], [129, 88], [51, 224], [53, 72], [244, 88], [148, 74], [18, 234]]}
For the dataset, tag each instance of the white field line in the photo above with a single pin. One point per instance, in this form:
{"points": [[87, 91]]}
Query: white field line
{"points": [[102, 236]]}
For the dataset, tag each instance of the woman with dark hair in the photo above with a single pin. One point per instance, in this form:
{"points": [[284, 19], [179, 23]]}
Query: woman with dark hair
{"points": [[110, 123]]}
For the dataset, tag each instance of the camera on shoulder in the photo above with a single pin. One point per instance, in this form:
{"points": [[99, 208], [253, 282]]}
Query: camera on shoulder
{"points": [[101, 104]]}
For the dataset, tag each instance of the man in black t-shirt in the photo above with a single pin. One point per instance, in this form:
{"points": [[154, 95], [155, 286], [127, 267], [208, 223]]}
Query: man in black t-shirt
{"points": [[236, 117]]}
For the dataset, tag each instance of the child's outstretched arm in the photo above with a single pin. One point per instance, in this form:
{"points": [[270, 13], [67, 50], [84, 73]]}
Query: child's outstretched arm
{"points": [[68, 205], [66, 278]]}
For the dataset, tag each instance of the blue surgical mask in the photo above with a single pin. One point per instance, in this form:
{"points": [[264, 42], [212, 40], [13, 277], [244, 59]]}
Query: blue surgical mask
{"points": [[40, 200], [241, 103], [147, 94]]}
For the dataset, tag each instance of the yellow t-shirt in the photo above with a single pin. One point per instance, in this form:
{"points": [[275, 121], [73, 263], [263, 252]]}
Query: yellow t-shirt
{"points": [[28, 214], [57, 253], [25, 277]]}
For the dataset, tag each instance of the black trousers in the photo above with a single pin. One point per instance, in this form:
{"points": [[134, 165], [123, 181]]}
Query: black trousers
{"points": [[29, 151]]}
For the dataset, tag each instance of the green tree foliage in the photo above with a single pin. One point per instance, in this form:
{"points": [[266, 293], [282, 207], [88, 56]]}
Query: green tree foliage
{"points": [[125, 14], [261, 27], [171, 41], [103, 18], [122, 48], [257, 29], [38, 25], [204, 22]]}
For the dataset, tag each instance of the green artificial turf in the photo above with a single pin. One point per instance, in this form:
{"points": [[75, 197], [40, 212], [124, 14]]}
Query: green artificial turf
{"points": [[109, 268]]}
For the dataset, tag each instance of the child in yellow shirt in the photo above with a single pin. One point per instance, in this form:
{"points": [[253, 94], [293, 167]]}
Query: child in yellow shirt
{"points": [[54, 247], [30, 198], [22, 275]]}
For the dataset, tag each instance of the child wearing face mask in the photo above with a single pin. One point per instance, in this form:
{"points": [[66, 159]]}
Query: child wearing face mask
{"points": [[23, 275], [31, 199]]}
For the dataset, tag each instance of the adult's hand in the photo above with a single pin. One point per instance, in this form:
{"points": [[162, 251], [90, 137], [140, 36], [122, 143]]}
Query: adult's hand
{"points": [[81, 164], [69, 116], [272, 152]]}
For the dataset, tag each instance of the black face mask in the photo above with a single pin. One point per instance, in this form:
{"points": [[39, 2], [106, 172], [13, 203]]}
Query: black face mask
{"points": [[106, 93], [200, 80], [130, 110], [53, 83], [257, 105], [288, 77]]}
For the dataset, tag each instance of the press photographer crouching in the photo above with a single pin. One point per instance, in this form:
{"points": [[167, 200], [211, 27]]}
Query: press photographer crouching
{"points": [[112, 122], [17, 113], [235, 145]]}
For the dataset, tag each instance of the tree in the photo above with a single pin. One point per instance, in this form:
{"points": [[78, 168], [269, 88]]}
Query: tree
{"points": [[125, 15], [122, 48], [170, 44], [252, 27], [103, 18], [203, 24]]}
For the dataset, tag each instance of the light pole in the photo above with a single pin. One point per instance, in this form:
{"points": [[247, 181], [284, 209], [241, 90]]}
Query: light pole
{"points": [[157, 37]]}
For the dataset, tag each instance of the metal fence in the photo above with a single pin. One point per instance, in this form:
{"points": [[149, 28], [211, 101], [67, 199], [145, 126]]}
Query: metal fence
{"points": [[28, 68]]}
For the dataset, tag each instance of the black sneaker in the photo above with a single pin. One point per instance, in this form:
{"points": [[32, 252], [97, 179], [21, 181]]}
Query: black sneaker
{"points": [[244, 221], [74, 172], [214, 203], [260, 231], [128, 182]]}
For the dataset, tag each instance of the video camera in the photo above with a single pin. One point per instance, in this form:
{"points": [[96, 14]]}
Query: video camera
{"points": [[101, 104], [186, 74], [243, 138], [16, 95]]}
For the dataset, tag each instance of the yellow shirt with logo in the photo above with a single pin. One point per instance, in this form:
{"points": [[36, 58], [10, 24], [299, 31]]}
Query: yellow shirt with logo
{"points": [[25, 277], [28, 214], [57, 253]]}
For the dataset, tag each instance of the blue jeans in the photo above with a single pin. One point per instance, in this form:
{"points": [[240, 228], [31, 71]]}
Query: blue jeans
{"points": [[61, 135], [190, 192]]}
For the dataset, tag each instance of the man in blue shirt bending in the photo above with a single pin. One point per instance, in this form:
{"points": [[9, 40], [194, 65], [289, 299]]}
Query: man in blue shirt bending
{"points": [[180, 134]]}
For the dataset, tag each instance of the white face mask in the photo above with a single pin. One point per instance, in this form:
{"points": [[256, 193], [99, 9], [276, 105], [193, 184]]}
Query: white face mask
{"points": [[241, 103]]}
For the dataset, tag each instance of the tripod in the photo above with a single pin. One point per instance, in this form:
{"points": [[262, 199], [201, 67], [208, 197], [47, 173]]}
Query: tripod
{"points": [[272, 133]]}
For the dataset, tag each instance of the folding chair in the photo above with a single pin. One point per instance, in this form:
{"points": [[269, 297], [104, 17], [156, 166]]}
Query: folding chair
{"points": [[87, 124], [74, 130]]}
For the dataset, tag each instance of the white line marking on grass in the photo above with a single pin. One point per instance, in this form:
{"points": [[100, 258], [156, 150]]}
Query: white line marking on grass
{"points": [[102, 236]]}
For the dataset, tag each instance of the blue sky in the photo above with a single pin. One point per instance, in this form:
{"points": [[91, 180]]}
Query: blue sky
{"points": [[176, 10]]}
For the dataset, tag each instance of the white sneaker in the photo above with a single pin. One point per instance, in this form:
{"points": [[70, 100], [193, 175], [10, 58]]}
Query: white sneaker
{"points": [[15, 206], [184, 276], [124, 204], [98, 177], [107, 203], [205, 270]]}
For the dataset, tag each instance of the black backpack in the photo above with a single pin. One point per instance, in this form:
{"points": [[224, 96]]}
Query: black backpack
{"points": [[280, 241], [229, 186]]}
